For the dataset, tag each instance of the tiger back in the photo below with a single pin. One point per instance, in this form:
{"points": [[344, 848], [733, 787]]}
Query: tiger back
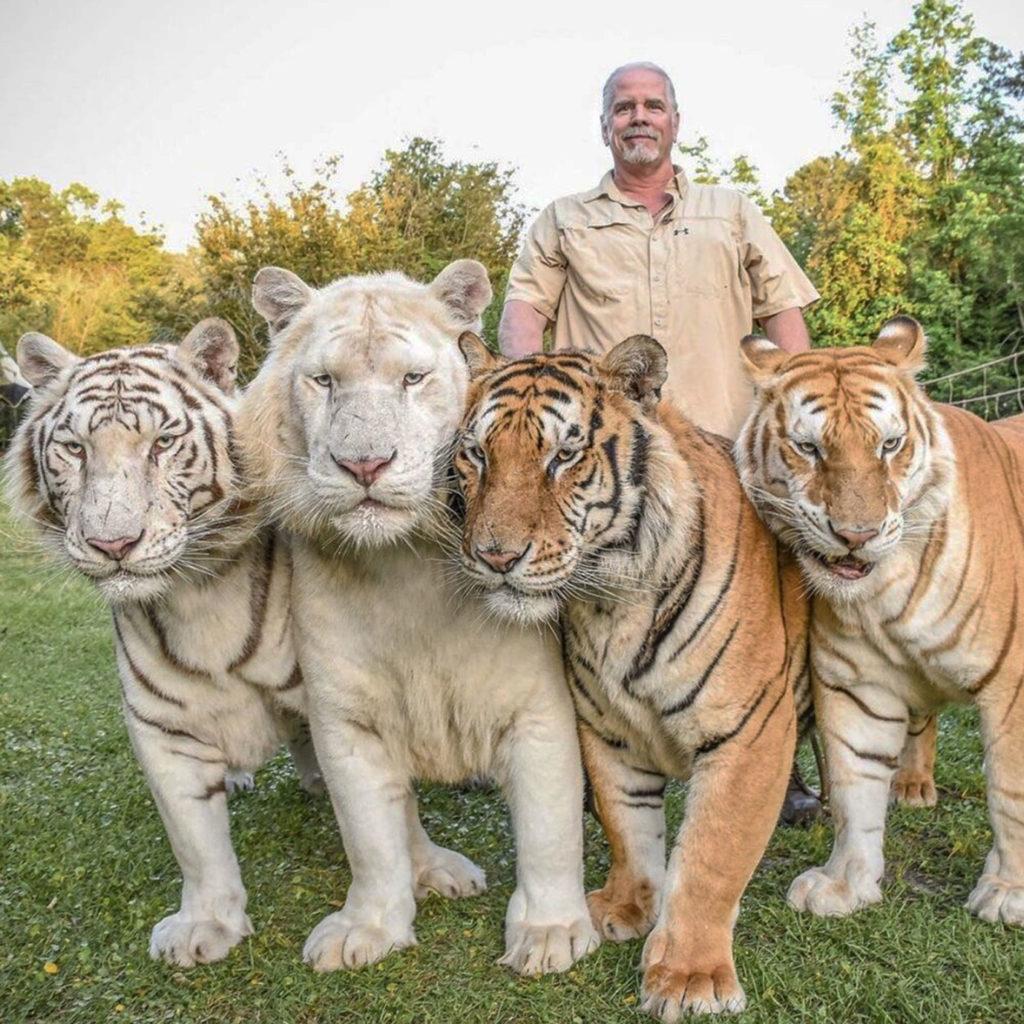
{"points": [[907, 518], [685, 634], [126, 467]]}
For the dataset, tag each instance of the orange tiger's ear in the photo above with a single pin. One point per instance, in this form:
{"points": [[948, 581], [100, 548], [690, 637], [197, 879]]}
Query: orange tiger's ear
{"points": [[762, 358], [901, 341], [637, 367], [479, 358], [211, 348]]}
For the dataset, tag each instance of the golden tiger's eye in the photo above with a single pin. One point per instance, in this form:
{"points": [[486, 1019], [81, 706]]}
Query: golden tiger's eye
{"points": [[475, 452], [808, 448], [892, 444], [565, 454]]}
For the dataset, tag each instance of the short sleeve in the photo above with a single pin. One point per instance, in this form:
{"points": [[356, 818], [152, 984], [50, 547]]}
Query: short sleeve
{"points": [[538, 275], [776, 280]]}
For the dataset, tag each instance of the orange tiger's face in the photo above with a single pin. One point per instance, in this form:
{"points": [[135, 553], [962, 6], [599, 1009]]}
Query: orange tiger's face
{"points": [[551, 466], [839, 451]]}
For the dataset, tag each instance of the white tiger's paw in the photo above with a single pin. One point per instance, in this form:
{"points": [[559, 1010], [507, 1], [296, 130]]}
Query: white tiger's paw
{"points": [[342, 942], [448, 874], [824, 896], [994, 900], [548, 949], [236, 781], [184, 941]]}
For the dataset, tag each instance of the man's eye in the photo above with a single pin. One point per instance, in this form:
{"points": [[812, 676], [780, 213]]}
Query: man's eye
{"points": [[323, 379]]}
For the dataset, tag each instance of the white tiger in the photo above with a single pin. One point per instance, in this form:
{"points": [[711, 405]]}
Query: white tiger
{"points": [[127, 464], [346, 431]]}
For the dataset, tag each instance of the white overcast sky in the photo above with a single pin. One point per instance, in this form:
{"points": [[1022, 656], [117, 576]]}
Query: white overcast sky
{"points": [[159, 104]]}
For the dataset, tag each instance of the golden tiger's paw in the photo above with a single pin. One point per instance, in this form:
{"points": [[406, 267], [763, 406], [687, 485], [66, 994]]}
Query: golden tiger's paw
{"points": [[448, 874], [185, 942], [995, 901], [547, 949], [824, 896], [913, 789], [340, 942], [671, 990], [620, 913]]}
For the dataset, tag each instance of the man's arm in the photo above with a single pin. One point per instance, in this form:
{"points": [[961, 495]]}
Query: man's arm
{"points": [[787, 329], [521, 330]]}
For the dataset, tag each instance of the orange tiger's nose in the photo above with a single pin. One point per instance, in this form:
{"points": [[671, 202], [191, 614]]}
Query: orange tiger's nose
{"points": [[116, 548], [853, 538], [500, 561], [366, 470]]}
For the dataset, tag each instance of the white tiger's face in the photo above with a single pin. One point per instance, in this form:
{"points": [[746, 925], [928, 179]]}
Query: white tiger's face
{"points": [[375, 386], [130, 454]]}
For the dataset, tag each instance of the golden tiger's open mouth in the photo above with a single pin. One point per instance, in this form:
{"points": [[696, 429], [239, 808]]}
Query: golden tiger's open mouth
{"points": [[849, 567]]}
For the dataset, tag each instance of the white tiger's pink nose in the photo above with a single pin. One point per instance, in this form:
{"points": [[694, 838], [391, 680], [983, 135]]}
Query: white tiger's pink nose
{"points": [[365, 470], [115, 548]]}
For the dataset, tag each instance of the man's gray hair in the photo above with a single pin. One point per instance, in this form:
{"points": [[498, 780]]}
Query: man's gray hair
{"points": [[608, 92]]}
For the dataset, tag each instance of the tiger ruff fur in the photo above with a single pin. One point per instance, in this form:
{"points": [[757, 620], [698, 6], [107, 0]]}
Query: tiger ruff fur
{"points": [[347, 431], [908, 520], [685, 634], [126, 464]]}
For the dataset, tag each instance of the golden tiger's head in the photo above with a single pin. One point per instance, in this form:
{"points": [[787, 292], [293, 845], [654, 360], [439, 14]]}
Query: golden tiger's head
{"points": [[553, 464], [125, 461], [842, 453]]}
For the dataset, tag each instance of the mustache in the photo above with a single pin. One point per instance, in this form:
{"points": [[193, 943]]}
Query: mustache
{"points": [[639, 133]]}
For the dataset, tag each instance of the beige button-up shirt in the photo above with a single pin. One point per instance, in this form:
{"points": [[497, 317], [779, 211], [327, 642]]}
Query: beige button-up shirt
{"points": [[695, 277]]}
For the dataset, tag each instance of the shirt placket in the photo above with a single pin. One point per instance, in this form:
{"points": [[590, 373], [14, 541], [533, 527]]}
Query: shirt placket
{"points": [[657, 264]]}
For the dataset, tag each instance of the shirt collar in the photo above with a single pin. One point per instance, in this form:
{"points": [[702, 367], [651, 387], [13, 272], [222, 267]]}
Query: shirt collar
{"points": [[607, 189]]}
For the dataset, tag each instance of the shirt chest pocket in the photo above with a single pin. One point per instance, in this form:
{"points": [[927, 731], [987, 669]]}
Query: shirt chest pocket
{"points": [[601, 260], [704, 258]]}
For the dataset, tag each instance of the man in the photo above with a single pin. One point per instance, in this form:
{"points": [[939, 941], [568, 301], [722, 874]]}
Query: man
{"points": [[647, 252]]}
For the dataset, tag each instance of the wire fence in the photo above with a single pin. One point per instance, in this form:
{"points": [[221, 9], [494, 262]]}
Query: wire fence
{"points": [[991, 390]]}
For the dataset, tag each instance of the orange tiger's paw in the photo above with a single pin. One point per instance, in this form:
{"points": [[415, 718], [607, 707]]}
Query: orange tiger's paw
{"points": [[623, 912], [913, 789], [673, 989]]}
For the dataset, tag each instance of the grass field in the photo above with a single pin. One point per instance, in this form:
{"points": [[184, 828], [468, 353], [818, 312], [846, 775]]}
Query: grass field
{"points": [[86, 871]]}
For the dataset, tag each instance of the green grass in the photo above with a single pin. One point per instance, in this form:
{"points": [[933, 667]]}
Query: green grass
{"points": [[85, 871]]}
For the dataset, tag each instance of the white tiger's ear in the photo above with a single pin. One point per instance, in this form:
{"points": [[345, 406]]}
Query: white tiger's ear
{"points": [[762, 359], [211, 349], [277, 295], [479, 358], [464, 288], [637, 367], [901, 341], [41, 359]]}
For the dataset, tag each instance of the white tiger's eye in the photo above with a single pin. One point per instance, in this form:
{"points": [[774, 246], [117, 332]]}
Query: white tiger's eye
{"points": [[164, 441], [74, 448], [323, 379], [412, 378], [892, 444]]}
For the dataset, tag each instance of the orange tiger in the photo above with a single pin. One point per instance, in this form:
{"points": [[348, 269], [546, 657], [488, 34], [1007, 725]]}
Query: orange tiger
{"points": [[685, 634], [908, 521]]}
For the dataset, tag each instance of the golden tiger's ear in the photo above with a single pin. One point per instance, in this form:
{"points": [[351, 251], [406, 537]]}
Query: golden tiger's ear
{"points": [[637, 367], [41, 359], [901, 341], [277, 295], [762, 358], [211, 349], [479, 358]]}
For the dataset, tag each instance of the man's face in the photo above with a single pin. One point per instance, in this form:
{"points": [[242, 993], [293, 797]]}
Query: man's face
{"points": [[641, 125]]}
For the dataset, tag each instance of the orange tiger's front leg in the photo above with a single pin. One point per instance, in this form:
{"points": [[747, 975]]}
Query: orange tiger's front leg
{"points": [[630, 803], [735, 794], [914, 781]]}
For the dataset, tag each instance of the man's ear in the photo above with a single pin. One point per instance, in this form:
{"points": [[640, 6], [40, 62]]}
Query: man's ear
{"points": [[464, 288], [638, 367], [278, 295], [762, 359], [902, 342], [41, 359], [211, 349], [479, 358]]}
